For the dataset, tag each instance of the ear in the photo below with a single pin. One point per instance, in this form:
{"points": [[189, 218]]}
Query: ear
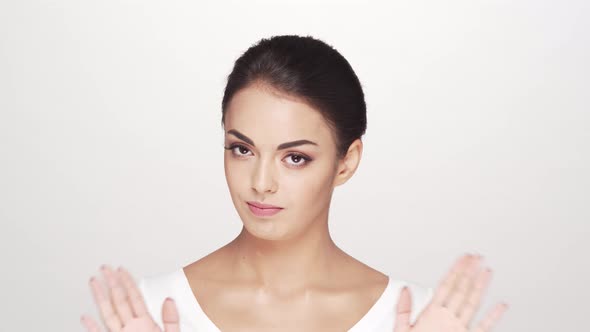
{"points": [[349, 163]]}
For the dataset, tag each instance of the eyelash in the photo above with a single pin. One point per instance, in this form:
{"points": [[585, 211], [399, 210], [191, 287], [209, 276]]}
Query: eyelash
{"points": [[306, 159]]}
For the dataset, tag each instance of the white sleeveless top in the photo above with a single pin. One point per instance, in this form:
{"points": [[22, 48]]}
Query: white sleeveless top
{"points": [[379, 318]]}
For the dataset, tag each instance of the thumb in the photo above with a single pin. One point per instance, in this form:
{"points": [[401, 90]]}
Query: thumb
{"points": [[403, 311], [170, 317]]}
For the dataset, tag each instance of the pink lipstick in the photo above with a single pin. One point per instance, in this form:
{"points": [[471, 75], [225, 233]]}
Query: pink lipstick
{"points": [[263, 210]]}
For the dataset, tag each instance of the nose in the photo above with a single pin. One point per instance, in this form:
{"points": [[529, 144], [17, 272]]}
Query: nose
{"points": [[263, 178]]}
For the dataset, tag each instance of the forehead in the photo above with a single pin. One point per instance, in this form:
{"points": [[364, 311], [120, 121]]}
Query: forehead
{"points": [[271, 118]]}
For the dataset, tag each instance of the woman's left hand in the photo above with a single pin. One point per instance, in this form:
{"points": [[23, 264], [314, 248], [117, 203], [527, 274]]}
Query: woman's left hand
{"points": [[454, 303]]}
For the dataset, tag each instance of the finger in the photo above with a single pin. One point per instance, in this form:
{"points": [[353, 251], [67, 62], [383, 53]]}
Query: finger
{"points": [[118, 295], [403, 311], [448, 282], [170, 317], [491, 318], [135, 298], [473, 300], [90, 324], [108, 315], [465, 282]]}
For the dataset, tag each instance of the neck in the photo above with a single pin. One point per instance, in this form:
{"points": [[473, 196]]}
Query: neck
{"points": [[289, 264]]}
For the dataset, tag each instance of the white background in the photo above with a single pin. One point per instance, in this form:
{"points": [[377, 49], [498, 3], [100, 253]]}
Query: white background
{"points": [[478, 139]]}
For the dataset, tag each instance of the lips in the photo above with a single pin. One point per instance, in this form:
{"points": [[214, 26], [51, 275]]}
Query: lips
{"points": [[263, 210]]}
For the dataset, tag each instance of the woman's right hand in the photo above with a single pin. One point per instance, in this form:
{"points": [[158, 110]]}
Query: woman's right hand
{"points": [[454, 303], [122, 307]]}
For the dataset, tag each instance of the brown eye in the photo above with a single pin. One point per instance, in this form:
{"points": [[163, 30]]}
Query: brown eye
{"points": [[242, 150], [239, 150], [297, 160]]}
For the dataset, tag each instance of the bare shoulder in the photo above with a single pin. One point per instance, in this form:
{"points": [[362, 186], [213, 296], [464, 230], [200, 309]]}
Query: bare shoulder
{"points": [[349, 275], [360, 281], [208, 268], [345, 293]]}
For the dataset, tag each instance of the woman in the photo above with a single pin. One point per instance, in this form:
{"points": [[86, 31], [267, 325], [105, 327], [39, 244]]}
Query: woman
{"points": [[293, 113]]}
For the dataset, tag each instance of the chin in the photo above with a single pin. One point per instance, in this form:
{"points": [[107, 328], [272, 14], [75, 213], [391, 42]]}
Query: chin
{"points": [[269, 230]]}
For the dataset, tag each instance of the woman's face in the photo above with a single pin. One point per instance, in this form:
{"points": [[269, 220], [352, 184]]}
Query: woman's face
{"points": [[279, 152]]}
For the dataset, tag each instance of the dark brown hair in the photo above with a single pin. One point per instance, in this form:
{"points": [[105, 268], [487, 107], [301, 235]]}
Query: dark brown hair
{"points": [[310, 70]]}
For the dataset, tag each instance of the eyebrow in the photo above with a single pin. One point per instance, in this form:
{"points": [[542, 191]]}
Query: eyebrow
{"points": [[280, 147]]}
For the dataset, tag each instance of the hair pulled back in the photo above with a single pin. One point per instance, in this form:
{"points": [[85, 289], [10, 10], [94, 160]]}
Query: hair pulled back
{"points": [[309, 70]]}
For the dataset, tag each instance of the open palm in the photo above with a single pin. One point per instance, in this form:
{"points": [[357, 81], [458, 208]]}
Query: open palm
{"points": [[454, 304], [122, 308]]}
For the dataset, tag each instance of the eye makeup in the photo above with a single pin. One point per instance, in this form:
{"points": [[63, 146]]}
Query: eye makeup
{"points": [[298, 159], [281, 146]]}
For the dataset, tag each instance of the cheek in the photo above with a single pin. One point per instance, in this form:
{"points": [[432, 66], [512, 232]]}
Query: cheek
{"points": [[311, 188], [234, 175], [305, 187]]}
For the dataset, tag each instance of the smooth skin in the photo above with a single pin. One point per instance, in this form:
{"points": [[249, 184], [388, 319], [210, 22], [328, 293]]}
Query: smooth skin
{"points": [[454, 303], [122, 307], [452, 308], [285, 270]]}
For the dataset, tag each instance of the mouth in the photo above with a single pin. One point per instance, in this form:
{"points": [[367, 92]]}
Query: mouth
{"points": [[263, 210]]}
